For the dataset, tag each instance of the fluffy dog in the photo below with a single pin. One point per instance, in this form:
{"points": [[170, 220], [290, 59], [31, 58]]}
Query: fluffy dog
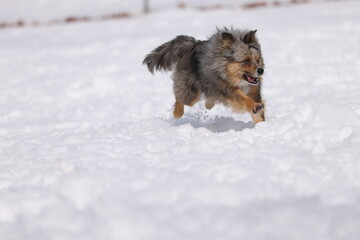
{"points": [[226, 68]]}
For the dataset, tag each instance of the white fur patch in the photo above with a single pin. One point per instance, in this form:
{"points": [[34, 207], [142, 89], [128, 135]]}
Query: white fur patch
{"points": [[244, 86]]}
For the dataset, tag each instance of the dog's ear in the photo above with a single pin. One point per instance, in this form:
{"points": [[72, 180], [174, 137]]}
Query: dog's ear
{"points": [[227, 39], [250, 37]]}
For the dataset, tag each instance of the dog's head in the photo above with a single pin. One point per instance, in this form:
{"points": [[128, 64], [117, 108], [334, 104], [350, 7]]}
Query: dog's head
{"points": [[245, 64]]}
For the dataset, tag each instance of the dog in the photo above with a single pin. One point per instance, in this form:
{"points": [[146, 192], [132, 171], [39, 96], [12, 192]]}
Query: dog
{"points": [[227, 68]]}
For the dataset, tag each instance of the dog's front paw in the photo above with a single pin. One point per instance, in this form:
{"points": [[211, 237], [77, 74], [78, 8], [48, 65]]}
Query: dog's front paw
{"points": [[258, 107]]}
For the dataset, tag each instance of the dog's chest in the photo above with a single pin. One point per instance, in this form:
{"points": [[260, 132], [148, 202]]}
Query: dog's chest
{"points": [[245, 87]]}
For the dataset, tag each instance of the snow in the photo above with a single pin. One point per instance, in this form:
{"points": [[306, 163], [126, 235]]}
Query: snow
{"points": [[54, 10], [89, 150]]}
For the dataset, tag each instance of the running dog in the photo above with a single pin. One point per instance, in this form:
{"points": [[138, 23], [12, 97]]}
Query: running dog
{"points": [[227, 68]]}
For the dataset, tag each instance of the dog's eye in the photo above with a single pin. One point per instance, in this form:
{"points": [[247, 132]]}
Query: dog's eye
{"points": [[246, 61]]}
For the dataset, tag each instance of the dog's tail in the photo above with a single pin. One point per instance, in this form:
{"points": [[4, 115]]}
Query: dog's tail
{"points": [[165, 56]]}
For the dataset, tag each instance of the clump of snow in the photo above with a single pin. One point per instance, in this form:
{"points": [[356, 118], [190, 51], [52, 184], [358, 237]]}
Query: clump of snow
{"points": [[89, 150]]}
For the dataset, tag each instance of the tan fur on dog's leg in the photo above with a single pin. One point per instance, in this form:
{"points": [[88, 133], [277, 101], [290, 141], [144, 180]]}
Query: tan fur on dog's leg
{"points": [[195, 100], [209, 104], [239, 102], [178, 110], [258, 117]]}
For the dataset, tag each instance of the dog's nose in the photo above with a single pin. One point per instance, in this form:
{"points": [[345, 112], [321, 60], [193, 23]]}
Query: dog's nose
{"points": [[260, 71]]}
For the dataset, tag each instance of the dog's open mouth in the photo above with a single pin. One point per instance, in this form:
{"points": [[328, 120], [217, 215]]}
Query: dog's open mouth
{"points": [[250, 79]]}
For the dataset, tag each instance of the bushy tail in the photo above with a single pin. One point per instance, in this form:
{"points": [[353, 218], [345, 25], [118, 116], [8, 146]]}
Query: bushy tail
{"points": [[166, 55]]}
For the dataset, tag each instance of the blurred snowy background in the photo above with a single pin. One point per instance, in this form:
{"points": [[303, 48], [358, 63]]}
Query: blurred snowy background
{"points": [[51, 10], [89, 149]]}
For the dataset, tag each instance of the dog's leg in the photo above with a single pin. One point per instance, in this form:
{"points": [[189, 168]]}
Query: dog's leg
{"points": [[195, 99], [179, 105], [239, 102], [209, 104], [255, 94], [178, 109], [259, 116]]}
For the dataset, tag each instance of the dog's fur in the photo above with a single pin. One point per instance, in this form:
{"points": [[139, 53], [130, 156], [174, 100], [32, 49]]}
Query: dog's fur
{"points": [[225, 69]]}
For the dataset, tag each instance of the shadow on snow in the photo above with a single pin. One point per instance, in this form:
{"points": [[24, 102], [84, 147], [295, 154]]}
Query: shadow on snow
{"points": [[217, 125]]}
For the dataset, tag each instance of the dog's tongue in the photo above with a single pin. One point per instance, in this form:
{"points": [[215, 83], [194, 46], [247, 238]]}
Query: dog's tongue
{"points": [[250, 79]]}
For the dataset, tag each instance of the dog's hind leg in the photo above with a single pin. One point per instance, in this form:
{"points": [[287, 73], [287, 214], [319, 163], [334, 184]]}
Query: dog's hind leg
{"points": [[193, 99], [190, 101], [178, 109], [186, 92], [209, 104]]}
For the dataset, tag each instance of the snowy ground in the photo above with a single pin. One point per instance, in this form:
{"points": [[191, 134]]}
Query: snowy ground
{"points": [[89, 150], [46, 11]]}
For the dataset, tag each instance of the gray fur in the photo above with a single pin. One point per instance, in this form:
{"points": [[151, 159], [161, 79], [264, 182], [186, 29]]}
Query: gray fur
{"points": [[164, 56], [199, 67]]}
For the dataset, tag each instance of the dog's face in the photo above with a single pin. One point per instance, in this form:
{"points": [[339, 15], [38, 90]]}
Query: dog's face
{"points": [[245, 63]]}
